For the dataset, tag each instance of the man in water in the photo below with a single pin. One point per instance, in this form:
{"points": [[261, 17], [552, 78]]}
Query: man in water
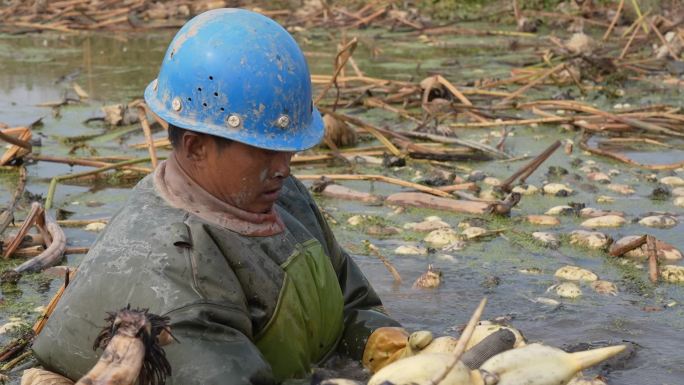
{"points": [[221, 238]]}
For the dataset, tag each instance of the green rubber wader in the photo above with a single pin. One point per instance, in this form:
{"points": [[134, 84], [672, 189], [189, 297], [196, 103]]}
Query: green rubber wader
{"points": [[308, 320]]}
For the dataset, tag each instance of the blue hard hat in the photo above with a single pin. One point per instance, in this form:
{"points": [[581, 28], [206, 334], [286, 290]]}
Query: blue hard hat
{"points": [[239, 75]]}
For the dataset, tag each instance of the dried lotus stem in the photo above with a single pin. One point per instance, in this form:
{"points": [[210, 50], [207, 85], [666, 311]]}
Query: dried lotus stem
{"points": [[652, 249], [619, 251]]}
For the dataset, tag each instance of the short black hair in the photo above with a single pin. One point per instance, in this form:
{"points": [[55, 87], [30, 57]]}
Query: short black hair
{"points": [[176, 135]]}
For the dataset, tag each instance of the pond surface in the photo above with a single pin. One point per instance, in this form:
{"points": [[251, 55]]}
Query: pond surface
{"points": [[115, 68]]}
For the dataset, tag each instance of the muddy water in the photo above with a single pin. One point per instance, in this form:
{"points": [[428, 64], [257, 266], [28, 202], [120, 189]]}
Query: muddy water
{"points": [[115, 69]]}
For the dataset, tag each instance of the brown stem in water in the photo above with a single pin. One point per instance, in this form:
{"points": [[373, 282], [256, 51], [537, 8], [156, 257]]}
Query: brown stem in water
{"points": [[8, 366], [621, 250], [142, 116], [459, 95], [542, 159], [380, 178], [76, 250], [8, 214], [504, 207], [162, 122], [36, 210], [530, 167], [50, 308], [531, 84], [622, 158], [629, 44], [366, 21], [516, 10], [83, 162], [652, 250], [16, 346], [375, 131], [461, 142], [54, 251], [340, 61], [615, 20], [20, 145], [395, 274], [663, 41], [468, 186], [513, 122], [15, 141], [502, 142]]}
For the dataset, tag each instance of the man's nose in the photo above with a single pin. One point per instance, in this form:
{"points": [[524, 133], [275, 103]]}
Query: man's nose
{"points": [[281, 164]]}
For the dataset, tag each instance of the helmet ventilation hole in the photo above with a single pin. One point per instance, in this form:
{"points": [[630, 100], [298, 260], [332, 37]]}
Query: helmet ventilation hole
{"points": [[189, 99], [216, 94], [211, 78], [204, 104], [222, 109], [199, 89]]}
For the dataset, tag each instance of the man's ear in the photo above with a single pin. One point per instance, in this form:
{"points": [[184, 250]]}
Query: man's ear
{"points": [[195, 146]]}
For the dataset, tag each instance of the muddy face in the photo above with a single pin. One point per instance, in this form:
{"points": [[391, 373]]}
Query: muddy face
{"points": [[246, 177]]}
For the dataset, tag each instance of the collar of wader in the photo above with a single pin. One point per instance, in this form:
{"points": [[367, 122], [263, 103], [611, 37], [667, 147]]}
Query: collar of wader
{"points": [[180, 191]]}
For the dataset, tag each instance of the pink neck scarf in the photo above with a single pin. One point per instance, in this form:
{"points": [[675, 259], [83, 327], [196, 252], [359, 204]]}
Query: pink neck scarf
{"points": [[180, 191]]}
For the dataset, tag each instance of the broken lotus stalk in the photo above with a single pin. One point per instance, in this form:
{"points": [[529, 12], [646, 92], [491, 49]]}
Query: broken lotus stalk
{"points": [[53, 253], [652, 250], [36, 210], [584, 144], [7, 215], [618, 251], [20, 146], [530, 167]]}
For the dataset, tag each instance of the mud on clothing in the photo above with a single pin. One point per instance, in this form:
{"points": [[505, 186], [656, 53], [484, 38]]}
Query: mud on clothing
{"points": [[245, 309]]}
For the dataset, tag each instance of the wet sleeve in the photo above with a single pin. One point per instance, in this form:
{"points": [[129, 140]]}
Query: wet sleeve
{"points": [[201, 296], [210, 352], [363, 310]]}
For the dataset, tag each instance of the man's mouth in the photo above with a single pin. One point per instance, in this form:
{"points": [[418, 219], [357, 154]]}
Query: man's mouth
{"points": [[272, 194]]}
